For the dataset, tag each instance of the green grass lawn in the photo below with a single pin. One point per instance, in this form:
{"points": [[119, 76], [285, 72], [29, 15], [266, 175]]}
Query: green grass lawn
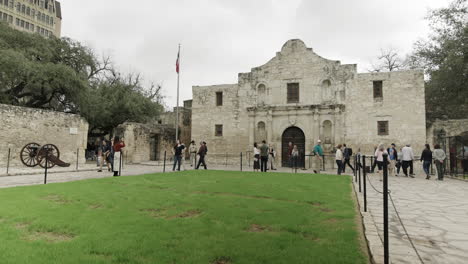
{"points": [[186, 217]]}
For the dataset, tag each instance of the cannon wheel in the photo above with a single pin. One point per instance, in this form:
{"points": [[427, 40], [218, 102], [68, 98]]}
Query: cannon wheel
{"points": [[28, 154], [47, 149]]}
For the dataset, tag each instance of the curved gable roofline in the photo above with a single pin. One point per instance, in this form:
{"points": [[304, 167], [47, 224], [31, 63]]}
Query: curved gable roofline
{"points": [[292, 47]]}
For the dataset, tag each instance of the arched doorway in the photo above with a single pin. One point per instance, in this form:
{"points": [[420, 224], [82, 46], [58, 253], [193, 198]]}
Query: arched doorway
{"points": [[297, 137]]}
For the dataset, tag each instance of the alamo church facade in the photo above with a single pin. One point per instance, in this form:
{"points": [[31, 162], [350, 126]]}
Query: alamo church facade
{"points": [[301, 97]]}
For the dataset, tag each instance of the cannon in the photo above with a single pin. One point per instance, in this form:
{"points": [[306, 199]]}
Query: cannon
{"points": [[33, 154]]}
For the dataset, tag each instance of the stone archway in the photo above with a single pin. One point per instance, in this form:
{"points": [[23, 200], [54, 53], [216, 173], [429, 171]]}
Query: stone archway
{"points": [[297, 137]]}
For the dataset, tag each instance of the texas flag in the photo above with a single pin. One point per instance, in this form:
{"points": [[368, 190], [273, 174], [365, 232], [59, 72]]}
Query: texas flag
{"points": [[177, 62]]}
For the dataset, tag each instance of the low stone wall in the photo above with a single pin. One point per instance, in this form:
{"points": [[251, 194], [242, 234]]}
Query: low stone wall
{"points": [[20, 126]]}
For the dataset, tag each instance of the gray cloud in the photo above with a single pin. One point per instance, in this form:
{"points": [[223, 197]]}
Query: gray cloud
{"points": [[222, 38]]}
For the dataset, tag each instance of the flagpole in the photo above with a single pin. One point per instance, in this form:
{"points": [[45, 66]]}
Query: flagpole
{"points": [[177, 109]]}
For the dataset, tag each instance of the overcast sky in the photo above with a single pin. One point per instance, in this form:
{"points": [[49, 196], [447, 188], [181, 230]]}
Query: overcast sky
{"points": [[221, 38]]}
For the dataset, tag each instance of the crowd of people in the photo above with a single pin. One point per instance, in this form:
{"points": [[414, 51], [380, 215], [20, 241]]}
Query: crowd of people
{"points": [[179, 154], [107, 153], [397, 160]]}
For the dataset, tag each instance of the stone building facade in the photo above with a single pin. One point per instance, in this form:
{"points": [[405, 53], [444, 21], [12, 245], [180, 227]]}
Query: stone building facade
{"points": [[301, 97], [148, 142], [35, 16], [20, 126]]}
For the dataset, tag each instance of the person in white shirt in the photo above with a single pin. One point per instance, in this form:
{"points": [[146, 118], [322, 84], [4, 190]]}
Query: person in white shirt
{"points": [[193, 153], [339, 159], [407, 160], [256, 152]]}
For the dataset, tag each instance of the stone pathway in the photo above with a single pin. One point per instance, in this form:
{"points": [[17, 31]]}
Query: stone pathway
{"points": [[435, 214]]}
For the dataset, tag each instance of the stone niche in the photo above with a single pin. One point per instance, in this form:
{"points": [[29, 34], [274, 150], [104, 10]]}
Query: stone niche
{"points": [[20, 126]]}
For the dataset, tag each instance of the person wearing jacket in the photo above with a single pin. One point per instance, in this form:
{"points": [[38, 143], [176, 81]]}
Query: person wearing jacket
{"points": [[202, 153], [426, 159], [439, 158], [118, 145], [318, 156], [347, 153]]}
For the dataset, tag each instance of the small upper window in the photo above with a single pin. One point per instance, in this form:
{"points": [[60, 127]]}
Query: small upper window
{"points": [[382, 128], [219, 98], [293, 93], [378, 92], [219, 130]]}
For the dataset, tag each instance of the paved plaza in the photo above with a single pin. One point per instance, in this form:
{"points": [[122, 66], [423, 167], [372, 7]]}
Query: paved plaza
{"points": [[435, 214]]}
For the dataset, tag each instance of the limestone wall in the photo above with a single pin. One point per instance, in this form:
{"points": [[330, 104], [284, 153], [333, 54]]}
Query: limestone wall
{"points": [[335, 105], [403, 106], [145, 142], [20, 126]]}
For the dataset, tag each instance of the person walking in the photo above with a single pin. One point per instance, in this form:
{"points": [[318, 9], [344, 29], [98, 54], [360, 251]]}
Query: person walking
{"points": [[118, 145], [290, 150], [426, 159], [202, 153], [392, 156], [318, 156], [339, 159], [399, 162], [256, 151], [106, 151], [193, 153], [374, 164], [407, 160], [347, 153], [379, 154], [264, 156], [177, 151], [272, 158], [294, 157], [182, 156], [439, 158]]}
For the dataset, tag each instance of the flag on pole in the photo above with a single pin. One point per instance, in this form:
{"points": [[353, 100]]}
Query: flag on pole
{"points": [[177, 62]]}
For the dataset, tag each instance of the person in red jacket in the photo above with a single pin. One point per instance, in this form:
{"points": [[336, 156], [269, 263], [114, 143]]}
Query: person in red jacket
{"points": [[117, 145]]}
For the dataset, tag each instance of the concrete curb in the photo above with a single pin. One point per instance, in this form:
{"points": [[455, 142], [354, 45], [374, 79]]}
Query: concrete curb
{"points": [[374, 241]]}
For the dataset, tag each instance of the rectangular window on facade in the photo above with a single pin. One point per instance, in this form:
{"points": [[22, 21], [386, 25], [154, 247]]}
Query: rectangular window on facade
{"points": [[22, 23], [219, 98], [219, 130], [382, 128], [293, 93], [17, 22], [378, 92], [10, 19]]}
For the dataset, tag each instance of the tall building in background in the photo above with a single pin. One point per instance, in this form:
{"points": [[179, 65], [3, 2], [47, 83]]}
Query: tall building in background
{"points": [[36, 16]]}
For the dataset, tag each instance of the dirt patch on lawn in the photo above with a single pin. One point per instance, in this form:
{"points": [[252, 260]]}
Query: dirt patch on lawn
{"points": [[51, 237], [187, 214], [327, 210], [222, 260], [258, 228], [103, 255], [95, 206], [56, 198], [155, 212], [331, 221], [310, 237]]}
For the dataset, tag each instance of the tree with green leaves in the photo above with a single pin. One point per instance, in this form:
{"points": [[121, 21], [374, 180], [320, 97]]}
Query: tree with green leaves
{"points": [[64, 75], [444, 56]]}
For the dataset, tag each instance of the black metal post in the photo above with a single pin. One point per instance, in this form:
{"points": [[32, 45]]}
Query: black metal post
{"points": [[241, 161], [323, 162], [8, 161], [359, 172], [46, 165], [372, 163], [364, 181], [355, 168], [248, 158], [385, 208], [164, 162], [77, 151], [120, 163]]}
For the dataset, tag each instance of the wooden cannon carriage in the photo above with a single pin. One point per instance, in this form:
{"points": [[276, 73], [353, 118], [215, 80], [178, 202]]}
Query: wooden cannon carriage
{"points": [[33, 154]]}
